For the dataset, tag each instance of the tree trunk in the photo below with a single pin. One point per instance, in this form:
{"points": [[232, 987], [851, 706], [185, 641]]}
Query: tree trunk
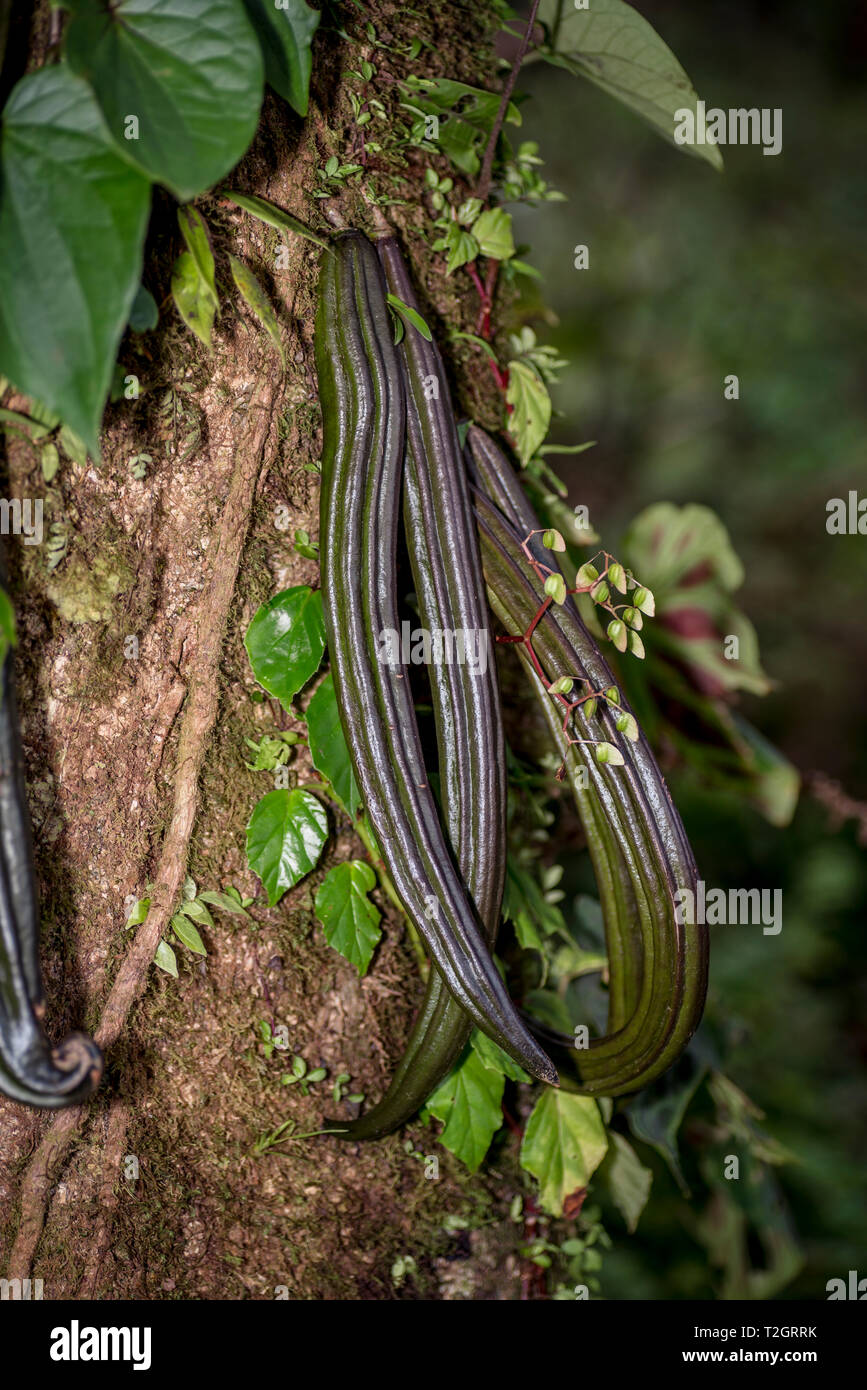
{"points": [[136, 699]]}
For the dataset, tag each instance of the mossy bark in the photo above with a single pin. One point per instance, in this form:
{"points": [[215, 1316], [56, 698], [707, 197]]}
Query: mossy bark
{"points": [[163, 1193]]}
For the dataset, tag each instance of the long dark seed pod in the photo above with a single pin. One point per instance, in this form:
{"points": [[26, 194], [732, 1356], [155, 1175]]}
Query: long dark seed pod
{"points": [[30, 1071], [622, 911], [446, 565], [363, 406], [632, 827]]}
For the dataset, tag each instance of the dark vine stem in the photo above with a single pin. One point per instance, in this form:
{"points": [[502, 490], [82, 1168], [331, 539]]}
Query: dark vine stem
{"points": [[483, 187], [485, 289]]}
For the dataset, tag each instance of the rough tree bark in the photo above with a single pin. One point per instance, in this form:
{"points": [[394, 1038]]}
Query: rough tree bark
{"points": [[137, 775]]}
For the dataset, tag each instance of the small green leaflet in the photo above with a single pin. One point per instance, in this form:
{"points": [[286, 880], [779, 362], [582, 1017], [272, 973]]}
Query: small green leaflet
{"points": [[350, 920], [461, 246], [612, 45], [187, 934], [73, 216], [166, 959], [224, 901], [285, 837], [257, 300], [194, 230], [274, 216], [564, 1143], [195, 908], [8, 636], [410, 316], [469, 1104], [493, 232], [328, 748], [139, 912], [627, 1179], [492, 1056], [466, 115], [286, 641], [528, 396], [192, 298], [285, 32], [190, 72]]}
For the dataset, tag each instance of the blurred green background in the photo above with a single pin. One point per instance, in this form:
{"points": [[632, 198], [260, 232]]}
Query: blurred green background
{"points": [[762, 272]]}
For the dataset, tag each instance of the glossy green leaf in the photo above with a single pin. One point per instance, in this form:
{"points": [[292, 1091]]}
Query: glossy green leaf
{"points": [[286, 641], [256, 299], [73, 216], [349, 919], [192, 298], [190, 73], [493, 232], [188, 934], [530, 417], [286, 34], [612, 45], [285, 837], [469, 1103], [564, 1143], [627, 1179], [273, 216], [328, 748]]}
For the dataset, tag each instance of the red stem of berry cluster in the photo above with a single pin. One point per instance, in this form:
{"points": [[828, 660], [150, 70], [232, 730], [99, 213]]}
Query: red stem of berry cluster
{"points": [[525, 639]]}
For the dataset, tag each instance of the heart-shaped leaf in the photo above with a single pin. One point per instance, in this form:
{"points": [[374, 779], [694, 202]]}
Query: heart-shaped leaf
{"points": [[328, 746], [469, 1104], [564, 1143], [350, 920], [179, 83], [285, 836], [286, 641], [73, 215]]}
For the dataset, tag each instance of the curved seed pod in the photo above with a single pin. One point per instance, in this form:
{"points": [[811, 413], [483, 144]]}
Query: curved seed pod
{"points": [[439, 524], [497, 479], [30, 1071], [364, 408], [656, 1008]]}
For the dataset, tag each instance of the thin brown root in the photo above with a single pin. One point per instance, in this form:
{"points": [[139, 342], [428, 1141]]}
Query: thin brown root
{"points": [[198, 719]]}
